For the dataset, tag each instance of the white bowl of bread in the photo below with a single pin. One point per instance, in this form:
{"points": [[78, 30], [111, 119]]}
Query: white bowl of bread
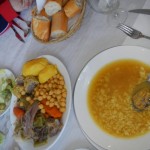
{"points": [[58, 20]]}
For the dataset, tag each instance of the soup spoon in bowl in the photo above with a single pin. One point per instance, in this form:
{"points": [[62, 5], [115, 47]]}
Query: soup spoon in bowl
{"points": [[141, 96]]}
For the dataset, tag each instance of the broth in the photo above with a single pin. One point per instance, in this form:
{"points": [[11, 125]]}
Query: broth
{"points": [[109, 98]]}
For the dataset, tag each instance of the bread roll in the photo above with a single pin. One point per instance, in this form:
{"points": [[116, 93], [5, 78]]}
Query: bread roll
{"points": [[41, 27], [52, 6], [73, 7], [43, 13], [59, 24], [64, 2]]}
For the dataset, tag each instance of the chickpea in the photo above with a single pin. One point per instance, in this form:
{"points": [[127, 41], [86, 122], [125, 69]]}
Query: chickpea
{"points": [[63, 104], [64, 94], [62, 109], [52, 100], [63, 99], [58, 106], [44, 96], [51, 92], [61, 82], [50, 85], [46, 86], [21, 88], [48, 97], [54, 85], [41, 92], [28, 98], [35, 88], [23, 93], [63, 90], [41, 106], [58, 97], [37, 93], [47, 102], [55, 103], [58, 91], [58, 75], [55, 76], [19, 96], [43, 111], [60, 87], [51, 104], [21, 104], [61, 78], [52, 81], [55, 80], [44, 90], [31, 101], [40, 98], [41, 86]]}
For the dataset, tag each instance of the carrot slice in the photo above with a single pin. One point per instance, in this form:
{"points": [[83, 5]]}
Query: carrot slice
{"points": [[44, 101], [51, 111], [19, 113], [54, 112]]}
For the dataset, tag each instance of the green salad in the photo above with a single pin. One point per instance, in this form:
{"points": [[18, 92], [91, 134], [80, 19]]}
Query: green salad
{"points": [[6, 87]]}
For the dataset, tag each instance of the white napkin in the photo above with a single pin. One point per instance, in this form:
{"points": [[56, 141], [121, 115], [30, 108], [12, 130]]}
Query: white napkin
{"points": [[40, 4], [142, 24]]}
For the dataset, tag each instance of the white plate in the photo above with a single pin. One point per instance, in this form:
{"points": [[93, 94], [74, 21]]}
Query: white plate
{"points": [[28, 144], [94, 144], [94, 133], [5, 73]]}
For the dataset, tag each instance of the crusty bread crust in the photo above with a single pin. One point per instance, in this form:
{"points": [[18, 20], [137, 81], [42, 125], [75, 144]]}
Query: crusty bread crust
{"points": [[41, 27], [43, 13], [72, 8], [64, 2], [53, 6], [59, 24]]}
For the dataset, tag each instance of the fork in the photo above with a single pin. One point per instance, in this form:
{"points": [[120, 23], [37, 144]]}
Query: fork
{"points": [[133, 33]]}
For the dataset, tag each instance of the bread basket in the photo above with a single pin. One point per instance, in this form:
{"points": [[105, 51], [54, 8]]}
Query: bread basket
{"points": [[72, 29]]}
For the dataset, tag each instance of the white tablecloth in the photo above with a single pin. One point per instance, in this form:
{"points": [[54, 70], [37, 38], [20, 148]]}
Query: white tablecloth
{"points": [[94, 36]]}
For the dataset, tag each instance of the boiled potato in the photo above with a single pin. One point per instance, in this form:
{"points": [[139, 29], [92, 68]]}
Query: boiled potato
{"points": [[48, 72], [34, 66]]}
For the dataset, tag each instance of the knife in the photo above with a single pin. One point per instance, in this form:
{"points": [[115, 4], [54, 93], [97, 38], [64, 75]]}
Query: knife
{"points": [[141, 11], [17, 34]]}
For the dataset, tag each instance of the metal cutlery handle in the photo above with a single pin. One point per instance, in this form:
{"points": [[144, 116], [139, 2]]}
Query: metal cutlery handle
{"points": [[17, 34], [146, 37]]}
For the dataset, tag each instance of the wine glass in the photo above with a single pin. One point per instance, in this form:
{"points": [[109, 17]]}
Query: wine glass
{"points": [[115, 14]]}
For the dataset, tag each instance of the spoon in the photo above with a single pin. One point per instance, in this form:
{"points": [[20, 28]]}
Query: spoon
{"points": [[141, 96]]}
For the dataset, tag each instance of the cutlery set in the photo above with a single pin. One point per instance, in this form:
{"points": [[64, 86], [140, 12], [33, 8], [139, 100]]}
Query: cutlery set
{"points": [[133, 33], [17, 34], [26, 32]]}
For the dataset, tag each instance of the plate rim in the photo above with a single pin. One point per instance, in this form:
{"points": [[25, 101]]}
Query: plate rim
{"points": [[74, 90]]}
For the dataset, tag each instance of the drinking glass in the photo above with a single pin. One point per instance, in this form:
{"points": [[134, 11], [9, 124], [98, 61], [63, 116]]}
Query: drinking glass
{"points": [[115, 14]]}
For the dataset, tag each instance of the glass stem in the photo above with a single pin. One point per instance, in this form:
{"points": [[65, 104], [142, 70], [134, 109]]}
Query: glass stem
{"points": [[108, 3]]}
